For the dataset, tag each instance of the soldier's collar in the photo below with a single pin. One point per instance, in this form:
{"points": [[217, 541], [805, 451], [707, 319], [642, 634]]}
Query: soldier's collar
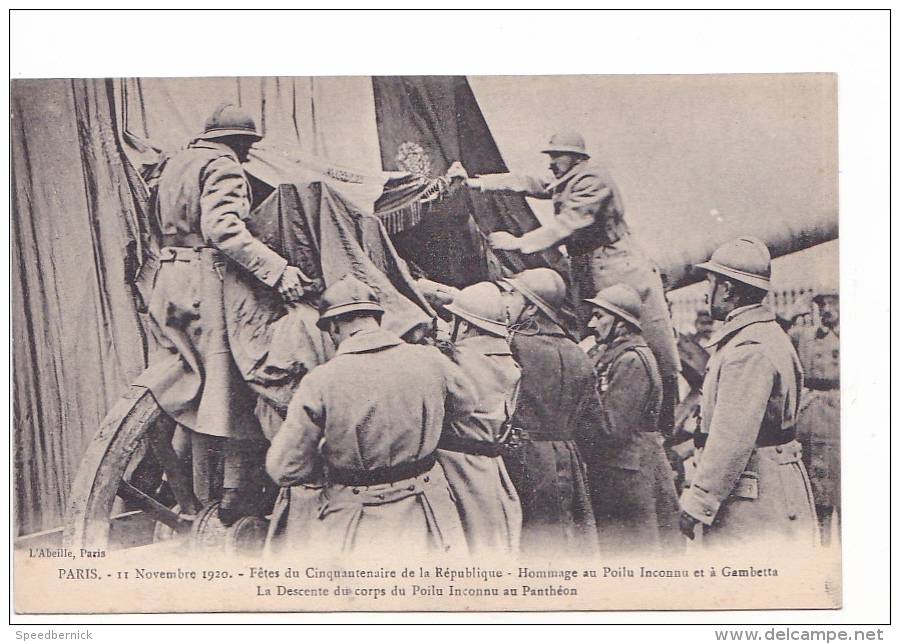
{"points": [[214, 145], [489, 345], [568, 175], [620, 345], [629, 340], [546, 326], [736, 312], [743, 317], [367, 341]]}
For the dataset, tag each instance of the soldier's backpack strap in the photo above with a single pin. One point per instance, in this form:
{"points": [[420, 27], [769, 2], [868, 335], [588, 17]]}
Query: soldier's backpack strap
{"points": [[646, 362]]}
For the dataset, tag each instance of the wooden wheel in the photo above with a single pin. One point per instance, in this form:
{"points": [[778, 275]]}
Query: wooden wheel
{"points": [[131, 458]]}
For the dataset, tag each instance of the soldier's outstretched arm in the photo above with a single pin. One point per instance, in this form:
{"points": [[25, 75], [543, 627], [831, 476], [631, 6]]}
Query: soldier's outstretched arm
{"points": [[742, 395], [589, 195], [224, 205], [294, 456], [503, 182]]}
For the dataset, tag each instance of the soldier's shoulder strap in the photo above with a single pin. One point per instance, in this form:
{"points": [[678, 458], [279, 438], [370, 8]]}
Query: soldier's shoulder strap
{"points": [[615, 352]]}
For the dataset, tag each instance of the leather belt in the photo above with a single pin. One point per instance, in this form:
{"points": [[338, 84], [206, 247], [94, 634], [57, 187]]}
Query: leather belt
{"points": [[764, 439], [590, 244], [178, 254], [454, 443], [381, 475], [822, 384], [185, 240], [538, 436]]}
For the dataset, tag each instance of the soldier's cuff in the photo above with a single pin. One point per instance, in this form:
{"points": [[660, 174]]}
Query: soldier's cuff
{"points": [[542, 238], [700, 504], [492, 182], [268, 268]]}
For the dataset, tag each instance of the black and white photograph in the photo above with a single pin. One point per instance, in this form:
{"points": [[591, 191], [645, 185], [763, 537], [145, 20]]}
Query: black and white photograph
{"points": [[463, 342]]}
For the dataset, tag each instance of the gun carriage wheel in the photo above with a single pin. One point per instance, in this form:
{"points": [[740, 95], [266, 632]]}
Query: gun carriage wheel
{"points": [[130, 473]]}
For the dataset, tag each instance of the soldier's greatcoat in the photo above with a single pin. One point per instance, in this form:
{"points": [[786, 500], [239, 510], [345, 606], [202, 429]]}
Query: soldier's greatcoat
{"points": [[748, 479], [203, 200], [557, 400], [379, 403], [485, 496], [632, 485]]}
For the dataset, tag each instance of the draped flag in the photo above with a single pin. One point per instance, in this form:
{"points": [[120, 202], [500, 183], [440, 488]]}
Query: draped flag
{"points": [[425, 123]]}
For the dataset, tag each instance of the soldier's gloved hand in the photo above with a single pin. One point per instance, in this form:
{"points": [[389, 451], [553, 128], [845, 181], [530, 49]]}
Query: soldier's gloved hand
{"points": [[686, 524], [502, 240], [437, 294], [313, 289], [291, 284]]}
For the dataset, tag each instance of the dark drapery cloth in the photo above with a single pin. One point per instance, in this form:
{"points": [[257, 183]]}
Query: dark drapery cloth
{"points": [[76, 237], [441, 116], [316, 229]]}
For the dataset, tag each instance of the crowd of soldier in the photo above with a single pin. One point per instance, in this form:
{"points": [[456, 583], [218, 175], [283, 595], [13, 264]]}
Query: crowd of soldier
{"points": [[518, 439]]}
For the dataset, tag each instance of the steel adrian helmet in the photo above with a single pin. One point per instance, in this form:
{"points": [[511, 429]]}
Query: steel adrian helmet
{"points": [[543, 287], [622, 301], [230, 120], [481, 305], [745, 259], [346, 295], [571, 142]]}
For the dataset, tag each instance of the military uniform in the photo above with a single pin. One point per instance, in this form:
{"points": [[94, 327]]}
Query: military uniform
{"points": [[590, 222], [369, 421], [632, 486], [819, 424], [748, 479], [203, 199], [557, 399], [487, 500]]}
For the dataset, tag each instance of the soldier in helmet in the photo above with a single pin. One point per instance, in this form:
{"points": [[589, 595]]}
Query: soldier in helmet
{"points": [[469, 450], [202, 200], [369, 421], [819, 425], [557, 402], [589, 220], [748, 480], [632, 486]]}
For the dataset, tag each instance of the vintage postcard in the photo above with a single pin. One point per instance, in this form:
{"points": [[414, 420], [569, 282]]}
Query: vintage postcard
{"points": [[425, 343]]}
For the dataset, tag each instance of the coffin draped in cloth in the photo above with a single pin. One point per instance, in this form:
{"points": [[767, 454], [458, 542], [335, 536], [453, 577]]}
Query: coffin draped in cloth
{"points": [[324, 234]]}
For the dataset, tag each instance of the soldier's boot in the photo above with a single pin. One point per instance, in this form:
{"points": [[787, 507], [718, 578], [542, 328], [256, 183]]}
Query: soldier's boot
{"points": [[244, 481], [206, 463]]}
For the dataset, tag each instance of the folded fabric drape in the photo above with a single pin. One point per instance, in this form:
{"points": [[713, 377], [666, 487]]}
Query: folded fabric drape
{"points": [[76, 237]]}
